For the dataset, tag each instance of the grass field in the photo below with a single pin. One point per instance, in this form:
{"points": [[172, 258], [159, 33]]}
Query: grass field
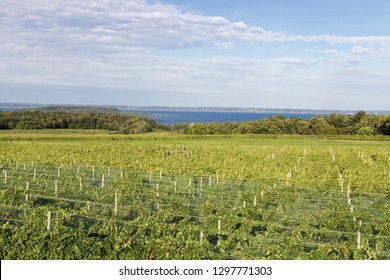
{"points": [[169, 196]]}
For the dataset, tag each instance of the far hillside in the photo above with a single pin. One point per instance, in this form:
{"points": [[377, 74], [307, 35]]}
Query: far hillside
{"points": [[78, 109]]}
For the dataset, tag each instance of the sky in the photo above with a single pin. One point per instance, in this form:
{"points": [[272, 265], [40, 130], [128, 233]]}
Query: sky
{"points": [[306, 54]]}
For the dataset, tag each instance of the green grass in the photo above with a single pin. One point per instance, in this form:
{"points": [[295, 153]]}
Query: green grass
{"points": [[233, 156], [54, 131], [105, 135]]}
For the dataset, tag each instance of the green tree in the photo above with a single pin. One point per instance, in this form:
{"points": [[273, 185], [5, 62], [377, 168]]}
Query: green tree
{"points": [[365, 130], [317, 126]]}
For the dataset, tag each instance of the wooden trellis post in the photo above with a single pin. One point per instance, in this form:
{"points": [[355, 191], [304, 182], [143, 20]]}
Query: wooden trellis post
{"points": [[358, 239], [48, 220], [219, 230], [116, 204], [27, 187]]}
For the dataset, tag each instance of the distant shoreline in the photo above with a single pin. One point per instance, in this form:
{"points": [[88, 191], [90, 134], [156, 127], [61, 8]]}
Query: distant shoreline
{"points": [[5, 106]]}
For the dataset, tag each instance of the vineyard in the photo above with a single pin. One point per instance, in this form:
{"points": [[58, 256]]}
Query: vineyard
{"points": [[186, 198]]}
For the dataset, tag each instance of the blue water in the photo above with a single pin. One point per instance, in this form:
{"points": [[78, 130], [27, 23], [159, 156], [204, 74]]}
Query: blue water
{"points": [[177, 117]]}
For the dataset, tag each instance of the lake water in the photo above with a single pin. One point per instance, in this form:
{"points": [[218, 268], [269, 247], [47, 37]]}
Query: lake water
{"points": [[177, 117]]}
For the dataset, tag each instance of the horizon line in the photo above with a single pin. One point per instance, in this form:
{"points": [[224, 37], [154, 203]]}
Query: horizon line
{"points": [[30, 104]]}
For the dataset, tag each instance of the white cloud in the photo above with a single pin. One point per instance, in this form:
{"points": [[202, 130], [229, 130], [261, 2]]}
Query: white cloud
{"points": [[351, 40], [291, 63], [133, 22], [139, 23], [361, 50], [327, 51], [371, 51]]}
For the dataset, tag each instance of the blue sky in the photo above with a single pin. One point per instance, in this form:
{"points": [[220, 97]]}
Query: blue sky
{"points": [[269, 54]]}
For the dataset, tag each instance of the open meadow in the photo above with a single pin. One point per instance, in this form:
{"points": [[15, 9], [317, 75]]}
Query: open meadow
{"points": [[92, 195]]}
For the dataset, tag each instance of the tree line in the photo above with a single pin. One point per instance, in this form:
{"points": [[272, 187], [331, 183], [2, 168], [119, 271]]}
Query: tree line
{"points": [[360, 123], [54, 119]]}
